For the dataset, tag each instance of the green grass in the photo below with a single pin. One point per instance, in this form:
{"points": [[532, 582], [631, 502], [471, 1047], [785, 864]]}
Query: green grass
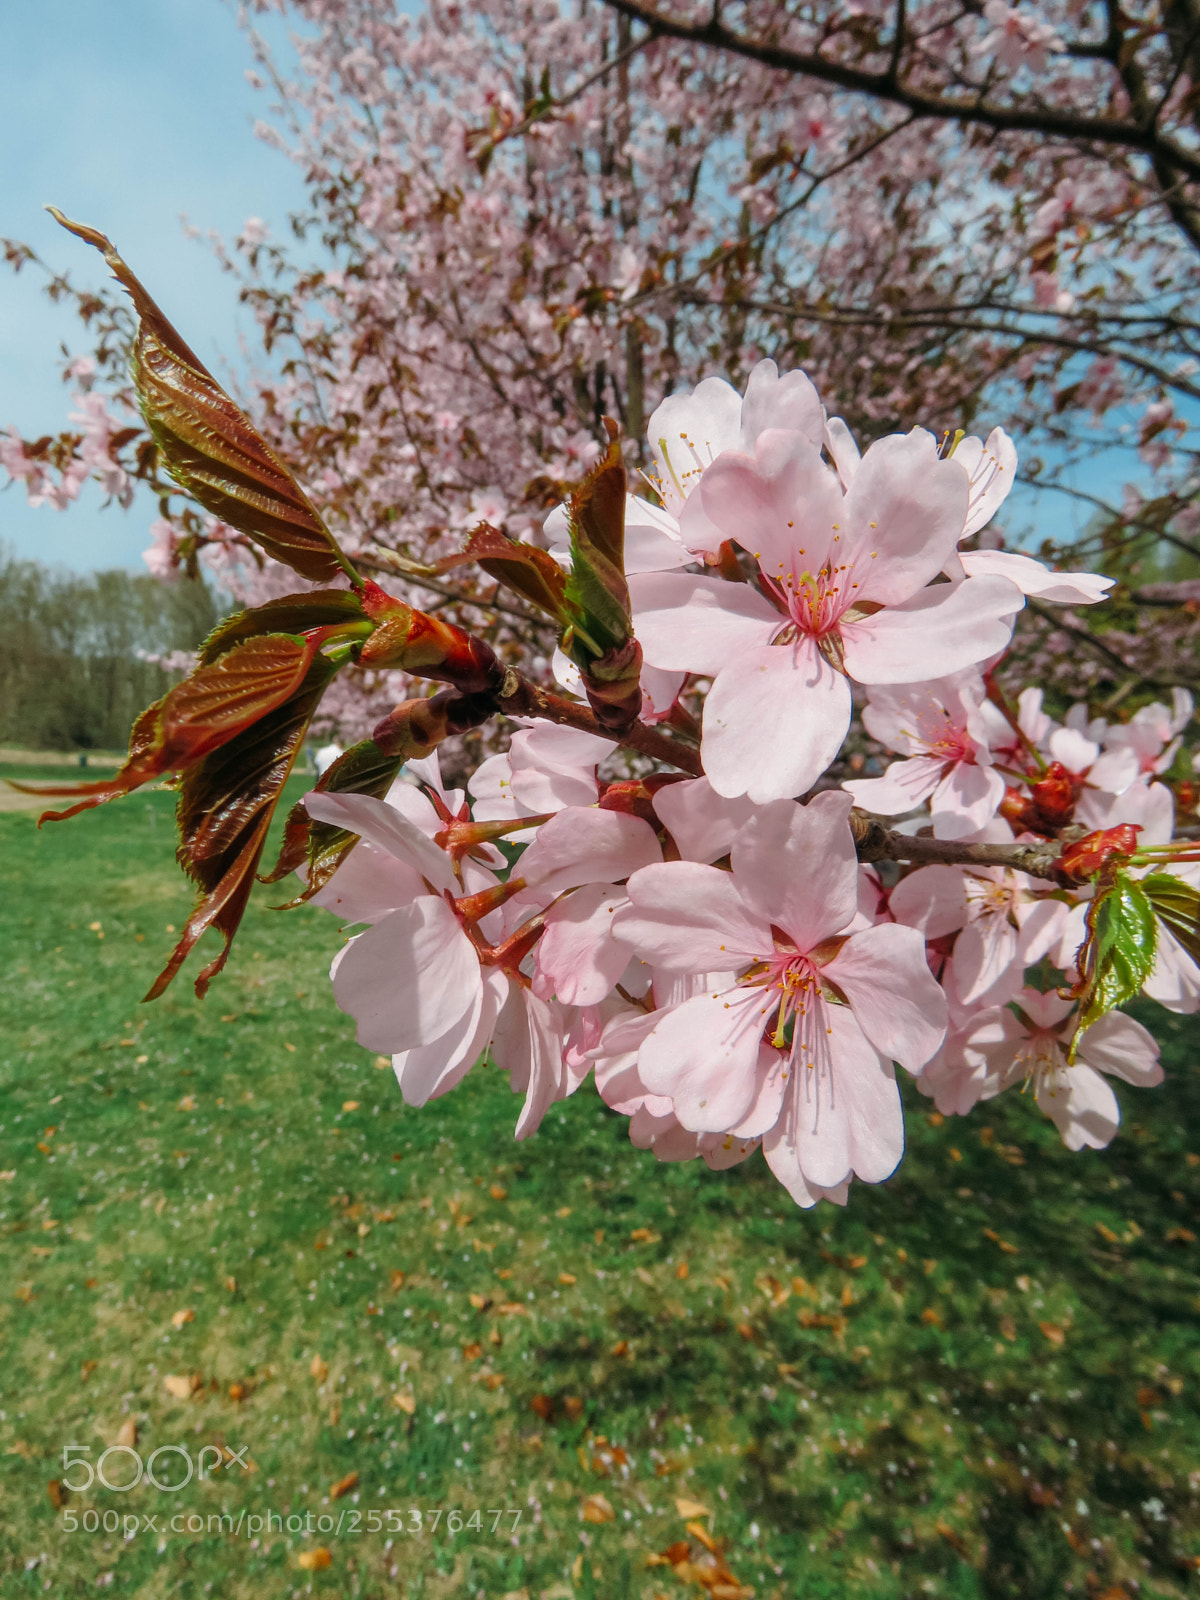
{"points": [[904, 1421]]}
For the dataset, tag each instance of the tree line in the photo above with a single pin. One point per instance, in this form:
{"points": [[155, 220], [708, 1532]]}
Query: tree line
{"points": [[73, 649]]}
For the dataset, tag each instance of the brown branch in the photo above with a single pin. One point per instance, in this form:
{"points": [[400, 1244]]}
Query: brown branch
{"points": [[874, 842], [1113, 131], [519, 697]]}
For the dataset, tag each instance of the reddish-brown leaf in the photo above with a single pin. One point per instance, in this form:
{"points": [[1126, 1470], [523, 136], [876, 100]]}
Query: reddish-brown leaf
{"points": [[209, 444], [226, 803]]}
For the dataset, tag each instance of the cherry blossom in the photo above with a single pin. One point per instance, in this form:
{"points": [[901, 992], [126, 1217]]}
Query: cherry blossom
{"points": [[800, 1045], [1028, 1042], [942, 728], [848, 595]]}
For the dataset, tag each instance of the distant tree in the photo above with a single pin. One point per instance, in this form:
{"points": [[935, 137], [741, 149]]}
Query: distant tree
{"points": [[74, 649]]}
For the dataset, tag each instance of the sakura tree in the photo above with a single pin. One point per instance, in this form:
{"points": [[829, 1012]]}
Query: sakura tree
{"points": [[688, 907], [525, 216]]}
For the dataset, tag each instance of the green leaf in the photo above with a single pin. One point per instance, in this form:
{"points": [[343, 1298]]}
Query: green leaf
{"points": [[1118, 952], [1177, 906]]}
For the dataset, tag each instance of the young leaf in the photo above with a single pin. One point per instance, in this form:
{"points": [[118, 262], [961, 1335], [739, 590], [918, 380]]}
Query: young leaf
{"points": [[291, 613], [527, 571], [1177, 906], [600, 640], [226, 803], [1118, 951], [363, 769], [210, 446], [211, 707]]}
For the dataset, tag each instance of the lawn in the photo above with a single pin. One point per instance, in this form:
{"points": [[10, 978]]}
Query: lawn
{"points": [[223, 1233]]}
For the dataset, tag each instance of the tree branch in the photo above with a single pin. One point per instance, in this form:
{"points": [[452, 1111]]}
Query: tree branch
{"points": [[874, 842], [519, 697], [1113, 131]]}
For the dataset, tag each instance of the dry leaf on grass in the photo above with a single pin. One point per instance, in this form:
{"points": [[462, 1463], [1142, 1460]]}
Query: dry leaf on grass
{"points": [[597, 1508], [182, 1385], [343, 1486], [127, 1433], [1053, 1332], [314, 1560], [319, 1369], [55, 1490], [404, 1402], [691, 1508], [179, 1318]]}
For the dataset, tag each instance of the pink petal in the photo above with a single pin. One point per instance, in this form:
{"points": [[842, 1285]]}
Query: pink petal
{"points": [[902, 788], [652, 539], [966, 800], [1175, 979], [587, 846], [986, 958], [701, 821], [690, 918], [577, 956], [848, 1115], [796, 866], [722, 1151], [431, 1070], [1081, 1105], [942, 629], [894, 997], [767, 1098], [369, 884], [933, 899], [782, 504], [904, 513], [774, 719], [1119, 1045], [789, 402], [694, 624], [779, 1148], [839, 441], [409, 979], [704, 1055], [384, 826], [1031, 577], [527, 1044]]}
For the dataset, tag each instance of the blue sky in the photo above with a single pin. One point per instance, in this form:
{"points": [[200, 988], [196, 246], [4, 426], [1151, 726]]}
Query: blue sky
{"points": [[128, 114], [124, 113]]}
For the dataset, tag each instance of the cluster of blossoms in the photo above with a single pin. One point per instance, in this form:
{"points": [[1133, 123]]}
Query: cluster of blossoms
{"points": [[712, 948]]}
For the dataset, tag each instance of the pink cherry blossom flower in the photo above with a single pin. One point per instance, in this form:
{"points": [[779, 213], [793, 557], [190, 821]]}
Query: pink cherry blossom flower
{"points": [[848, 594], [420, 988], [1153, 732], [546, 768], [939, 727], [1028, 1042], [1003, 919], [162, 554], [800, 1046]]}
